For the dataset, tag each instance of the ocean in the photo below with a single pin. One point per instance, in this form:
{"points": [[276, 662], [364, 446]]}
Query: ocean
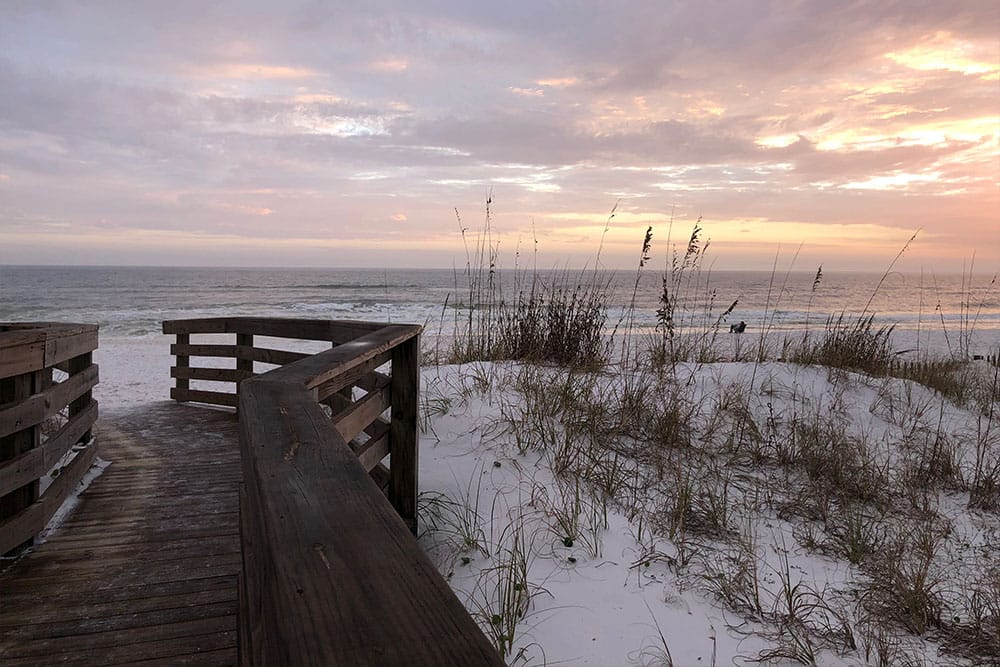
{"points": [[131, 302]]}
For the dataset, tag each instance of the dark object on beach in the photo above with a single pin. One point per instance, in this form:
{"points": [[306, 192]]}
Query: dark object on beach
{"points": [[738, 328]]}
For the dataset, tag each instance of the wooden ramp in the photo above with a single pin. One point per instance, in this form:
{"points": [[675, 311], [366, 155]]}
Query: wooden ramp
{"points": [[144, 571]]}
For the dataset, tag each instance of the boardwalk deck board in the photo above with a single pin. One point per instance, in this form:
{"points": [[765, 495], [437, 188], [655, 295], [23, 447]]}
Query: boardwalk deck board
{"points": [[171, 557], [145, 569]]}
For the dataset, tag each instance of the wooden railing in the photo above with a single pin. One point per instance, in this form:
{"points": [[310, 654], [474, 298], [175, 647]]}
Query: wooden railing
{"points": [[356, 398], [46, 414], [331, 573]]}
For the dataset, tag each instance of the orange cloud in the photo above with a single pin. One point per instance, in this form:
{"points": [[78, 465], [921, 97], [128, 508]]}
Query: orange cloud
{"points": [[249, 71], [563, 82], [390, 65], [945, 52]]}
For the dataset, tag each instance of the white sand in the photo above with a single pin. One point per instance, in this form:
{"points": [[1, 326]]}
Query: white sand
{"points": [[602, 609]]}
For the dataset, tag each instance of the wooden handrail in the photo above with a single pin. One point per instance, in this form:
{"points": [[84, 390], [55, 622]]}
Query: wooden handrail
{"points": [[31, 398], [331, 573]]}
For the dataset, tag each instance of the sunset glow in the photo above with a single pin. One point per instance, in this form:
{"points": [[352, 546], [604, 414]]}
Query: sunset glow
{"points": [[239, 134]]}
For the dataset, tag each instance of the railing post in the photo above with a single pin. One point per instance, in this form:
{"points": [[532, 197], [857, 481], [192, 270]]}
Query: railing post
{"points": [[244, 360], [78, 365], [405, 388], [182, 361], [13, 389]]}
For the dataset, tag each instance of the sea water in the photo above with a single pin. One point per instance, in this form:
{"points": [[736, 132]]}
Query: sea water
{"points": [[131, 302]]}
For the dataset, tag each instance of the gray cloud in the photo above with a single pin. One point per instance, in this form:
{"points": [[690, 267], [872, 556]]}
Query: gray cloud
{"points": [[195, 116]]}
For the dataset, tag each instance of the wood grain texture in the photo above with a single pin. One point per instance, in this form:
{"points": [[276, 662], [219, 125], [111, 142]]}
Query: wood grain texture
{"points": [[21, 352], [145, 568], [403, 431], [355, 418], [203, 396], [32, 346], [34, 409], [37, 461], [332, 575], [335, 331], [210, 374]]}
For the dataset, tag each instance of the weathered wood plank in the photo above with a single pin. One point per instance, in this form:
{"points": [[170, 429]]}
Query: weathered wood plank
{"points": [[21, 352], [204, 649], [337, 331], [76, 365], [182, 361], [68, 478], [31, 346], [72, 604], [120, 617], [69, 341], [203, 396], [199, 545], [38, 407], [376, 448], [203, 350], [210, 374], [373, 381], [320, 368], [18, 441], [349, 376], [244, 359], [262, 354], [380, 475], [136, 574], [306, 567], [37, 461], [275, 357], [22, 527], [116, 630], [403, 433], [351, 421], [25, 525]]}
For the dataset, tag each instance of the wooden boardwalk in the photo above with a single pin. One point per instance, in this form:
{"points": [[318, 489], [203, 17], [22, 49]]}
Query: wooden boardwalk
{"points": [[145, 569]]}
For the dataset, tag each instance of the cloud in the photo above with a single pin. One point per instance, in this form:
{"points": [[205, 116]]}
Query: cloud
{"points": [[391, 65], [228, 70], [257, 120]]}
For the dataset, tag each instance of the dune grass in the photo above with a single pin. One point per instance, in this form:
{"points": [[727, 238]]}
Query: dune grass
{"points": [[882, 466]]}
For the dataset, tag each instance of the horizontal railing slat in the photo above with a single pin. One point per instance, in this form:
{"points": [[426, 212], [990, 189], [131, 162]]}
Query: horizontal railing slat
{"points": [[23, 526], [380, 475], [37, 461], [29, 401], [38, 407], [203, 396], [276, 357], [361, 413], [262, 354], [350, 376], [30, 521], [205, 350], [21, 352], [62, 345], [376, 448], [210, 374], [323, 367], [68, 477], [334, 331], [26, 347]]}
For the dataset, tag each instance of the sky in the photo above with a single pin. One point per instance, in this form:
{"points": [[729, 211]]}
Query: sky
{"points": [[371, 134]]}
